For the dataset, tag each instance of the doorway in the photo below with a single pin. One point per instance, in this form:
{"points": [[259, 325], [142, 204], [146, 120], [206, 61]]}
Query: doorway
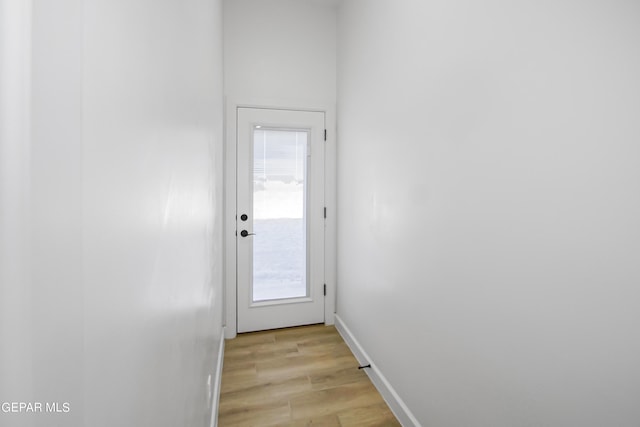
{"points": [[279, 218]]}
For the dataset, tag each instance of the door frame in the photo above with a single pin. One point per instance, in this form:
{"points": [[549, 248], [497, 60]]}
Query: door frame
{"points": [[230, 314]]}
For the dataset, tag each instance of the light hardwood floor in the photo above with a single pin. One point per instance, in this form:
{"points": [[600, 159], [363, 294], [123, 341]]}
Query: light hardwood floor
{"points": [[302, 376]]}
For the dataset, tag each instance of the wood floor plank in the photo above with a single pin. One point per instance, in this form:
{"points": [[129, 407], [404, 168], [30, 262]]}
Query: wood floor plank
{"points": [[255, 414], [375, 415], [262, 352], [249, 340], [237, 376], [303, 334], [298, 365], [331, 344], [297, 377], [337, 377], [334, 400], [267, 391], [323, 421]]}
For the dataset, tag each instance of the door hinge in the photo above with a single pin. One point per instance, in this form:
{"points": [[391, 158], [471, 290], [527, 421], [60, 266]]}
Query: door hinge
{"points": [[325, 134], [325, 289], [325, 212]]}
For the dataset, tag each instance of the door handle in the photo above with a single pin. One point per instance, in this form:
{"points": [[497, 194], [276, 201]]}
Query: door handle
{"points": [[245, 233]]}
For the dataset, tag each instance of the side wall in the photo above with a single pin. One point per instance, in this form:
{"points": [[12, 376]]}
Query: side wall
{"points": [[489, 182], [111, 253], [15, 290], [152, 210], [279, 53]]}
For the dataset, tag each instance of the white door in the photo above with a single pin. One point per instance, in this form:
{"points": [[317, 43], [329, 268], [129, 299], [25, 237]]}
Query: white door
{"points": [[280, 218]]}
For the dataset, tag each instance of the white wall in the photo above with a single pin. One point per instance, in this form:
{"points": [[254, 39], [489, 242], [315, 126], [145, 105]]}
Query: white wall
{"points": [[15, 359], [280, 50], [55, 210], [282, 54], [122, 282], [489, 196], [152, 170]]}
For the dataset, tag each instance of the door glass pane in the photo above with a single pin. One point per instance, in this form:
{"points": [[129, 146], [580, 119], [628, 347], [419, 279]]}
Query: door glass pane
{"points": [[279, 214]]}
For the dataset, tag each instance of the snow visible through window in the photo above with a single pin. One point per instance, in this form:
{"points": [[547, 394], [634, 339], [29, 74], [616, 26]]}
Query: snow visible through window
{"points": [[279, 214]]}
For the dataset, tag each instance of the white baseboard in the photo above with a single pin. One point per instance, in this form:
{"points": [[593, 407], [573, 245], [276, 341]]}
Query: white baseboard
{"points": [[400, 410], [217, 382]]}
